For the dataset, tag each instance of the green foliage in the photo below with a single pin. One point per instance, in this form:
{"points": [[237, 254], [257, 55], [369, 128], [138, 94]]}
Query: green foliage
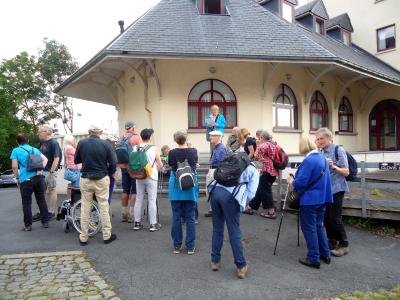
{"points": [[377, 192], [381, 294]]}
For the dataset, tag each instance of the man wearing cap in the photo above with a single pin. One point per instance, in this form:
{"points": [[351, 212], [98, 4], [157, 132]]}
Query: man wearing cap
{"points": [[128, 197], [98, 165], [218, 155]]}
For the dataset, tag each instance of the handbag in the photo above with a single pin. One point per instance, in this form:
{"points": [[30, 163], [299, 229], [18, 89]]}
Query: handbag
{"points": [[294, 196]]}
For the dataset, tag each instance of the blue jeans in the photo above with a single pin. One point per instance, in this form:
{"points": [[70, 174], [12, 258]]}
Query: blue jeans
{"points": [[186, 209], [312, 225], [226, 209]]}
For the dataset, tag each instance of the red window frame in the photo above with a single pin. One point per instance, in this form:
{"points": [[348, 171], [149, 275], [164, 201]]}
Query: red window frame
{"points": [[322, 23], [319, 98], [202, 7], [377, 38], [348, 112], [221, 104], [291, 5], [293, 109]]}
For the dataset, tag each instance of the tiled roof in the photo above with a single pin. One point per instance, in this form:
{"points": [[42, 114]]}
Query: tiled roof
{"points": [[294, 2], [342, 20], [174, 28], [316, 7]]}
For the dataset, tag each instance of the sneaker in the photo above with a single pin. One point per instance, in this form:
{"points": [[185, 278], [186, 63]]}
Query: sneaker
{"points": [[112, 238], [326, 259], [242, 272], [154, 227], [305, 261], [137, 226], [125, 217], [27, 228], [51, 216], [340, 251], [208, 214], [36, 217], [215, 266], [45, 225], [191, 251], [82, 243], [177, 249]]}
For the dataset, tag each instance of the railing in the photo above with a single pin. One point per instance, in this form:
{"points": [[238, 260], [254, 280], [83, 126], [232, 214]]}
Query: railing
{"points": [[365, 184]]}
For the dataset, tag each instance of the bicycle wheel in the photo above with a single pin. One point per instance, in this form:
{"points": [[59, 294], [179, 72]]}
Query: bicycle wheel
{"points": [[94, 218]]}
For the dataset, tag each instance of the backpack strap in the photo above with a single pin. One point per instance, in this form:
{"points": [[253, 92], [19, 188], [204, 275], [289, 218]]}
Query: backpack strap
{"points": [[337, 152], [212, 190]]}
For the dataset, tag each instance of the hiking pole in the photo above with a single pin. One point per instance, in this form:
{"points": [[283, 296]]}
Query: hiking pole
{"points": [[280, 222]]}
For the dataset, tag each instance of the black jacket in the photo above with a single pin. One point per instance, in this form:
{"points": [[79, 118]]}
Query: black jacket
{"points": [[97, 158]]}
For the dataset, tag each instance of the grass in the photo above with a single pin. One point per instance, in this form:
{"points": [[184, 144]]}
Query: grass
{"points": [[380, 227], [381, 294]]}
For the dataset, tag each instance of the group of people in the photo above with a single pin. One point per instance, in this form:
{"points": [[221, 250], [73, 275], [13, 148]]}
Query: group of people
{"points": [[91, 164]]}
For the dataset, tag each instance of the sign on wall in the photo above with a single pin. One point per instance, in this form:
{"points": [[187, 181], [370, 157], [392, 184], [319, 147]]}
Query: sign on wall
{"points": [[389, 166]]}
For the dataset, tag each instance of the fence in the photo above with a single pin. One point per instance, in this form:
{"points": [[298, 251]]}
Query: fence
{"points": [[365, 184]]}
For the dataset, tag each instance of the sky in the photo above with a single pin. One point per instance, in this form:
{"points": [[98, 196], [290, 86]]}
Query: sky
{"points": [[84, 26]]}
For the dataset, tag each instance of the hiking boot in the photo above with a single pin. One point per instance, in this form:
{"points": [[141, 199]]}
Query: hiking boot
{"points": [[191, 251], [215, 266], [177, 249], [340, 251], [309, 263], [137, 226], [242, 272], [112, 238], [125, 217], [326, 259], [154, 227]]}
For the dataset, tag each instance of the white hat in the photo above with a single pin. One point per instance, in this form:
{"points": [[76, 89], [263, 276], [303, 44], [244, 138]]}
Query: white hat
{"points": [[216, 132], [95, 128]]}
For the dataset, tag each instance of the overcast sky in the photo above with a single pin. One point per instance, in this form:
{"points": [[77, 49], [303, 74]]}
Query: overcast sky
{"points": [[84, 26]]}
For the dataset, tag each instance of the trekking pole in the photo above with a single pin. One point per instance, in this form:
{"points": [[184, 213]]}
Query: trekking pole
{"points": [[280, 222]]}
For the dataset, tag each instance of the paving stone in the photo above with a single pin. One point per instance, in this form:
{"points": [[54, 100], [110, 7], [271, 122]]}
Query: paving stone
{"points": [[101, 284], [13, 261], [95, 297], [108, 293]]}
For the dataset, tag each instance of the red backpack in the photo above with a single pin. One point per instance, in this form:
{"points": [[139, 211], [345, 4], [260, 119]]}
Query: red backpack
{"points": [[280, 159]]}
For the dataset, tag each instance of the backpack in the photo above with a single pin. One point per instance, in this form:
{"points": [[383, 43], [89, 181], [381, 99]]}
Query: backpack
{"points": [[280, 159], [35, 161], [123, 149], [231, 168], [139, 167], [353, 168], [184, 175]]}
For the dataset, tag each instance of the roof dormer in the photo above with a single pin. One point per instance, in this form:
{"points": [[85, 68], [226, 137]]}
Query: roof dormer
{"points": [[313, 15], [283, 8], [340, 28], [211, 7]]}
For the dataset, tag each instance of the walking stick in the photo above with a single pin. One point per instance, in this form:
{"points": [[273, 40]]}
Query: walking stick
{"points": [[280, 222]]}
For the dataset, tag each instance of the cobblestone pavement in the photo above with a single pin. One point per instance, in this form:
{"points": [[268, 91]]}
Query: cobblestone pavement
{"points": [[55, 275]]}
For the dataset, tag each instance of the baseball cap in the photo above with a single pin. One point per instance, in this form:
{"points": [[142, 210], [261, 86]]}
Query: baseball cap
{"points": [[216, 132], [94, 127], [129, 125]]}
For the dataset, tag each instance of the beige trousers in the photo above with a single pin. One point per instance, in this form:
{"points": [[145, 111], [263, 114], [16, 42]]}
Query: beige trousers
{"points": [[100, 188]]}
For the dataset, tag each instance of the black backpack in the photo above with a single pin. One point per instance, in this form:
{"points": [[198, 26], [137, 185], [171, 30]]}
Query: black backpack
{"points": [[231, 168], [353, 169], [184, 175]]}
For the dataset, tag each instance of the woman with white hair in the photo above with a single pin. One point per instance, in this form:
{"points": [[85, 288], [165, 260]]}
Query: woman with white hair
{"points": [[72, 171]]}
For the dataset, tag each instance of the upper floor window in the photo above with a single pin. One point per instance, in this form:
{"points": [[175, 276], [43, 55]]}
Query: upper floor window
{"points": [[346, 37], [318, 111], [207, 93], [320, 26], [345, 116], [285, 108], [287, 11], [386, 38], [212, 7]]}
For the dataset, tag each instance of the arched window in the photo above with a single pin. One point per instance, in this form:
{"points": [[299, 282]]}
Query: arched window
{"points": [[207, 93], [318, 111], [345, 116], [285, 108]]}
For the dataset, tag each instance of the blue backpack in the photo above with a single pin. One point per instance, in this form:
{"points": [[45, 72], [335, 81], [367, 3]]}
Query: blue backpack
{"points": [[353, 169], [123, 150]]}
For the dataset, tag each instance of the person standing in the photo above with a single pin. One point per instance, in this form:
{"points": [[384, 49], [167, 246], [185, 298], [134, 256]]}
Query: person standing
{"points": [[218, 155], [128, 198], [339, 170], [29, 182], [264, 155], [72, 172], [98, 165], [250, 145], [214, 122], [51, 149], [183, 202], [313, 180], [226, 204], [233, 143], [150, 184]]}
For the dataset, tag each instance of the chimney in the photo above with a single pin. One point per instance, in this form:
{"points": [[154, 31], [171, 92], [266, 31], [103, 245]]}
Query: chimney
{"points": [[121, 26]]}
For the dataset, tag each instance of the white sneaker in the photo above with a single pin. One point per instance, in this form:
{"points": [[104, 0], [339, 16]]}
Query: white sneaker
{"points": [[155, 227]]}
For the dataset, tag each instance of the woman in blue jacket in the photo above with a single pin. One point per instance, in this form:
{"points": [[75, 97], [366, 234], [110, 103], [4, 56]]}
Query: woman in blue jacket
{"points": [[313, 202], [214, 121]]}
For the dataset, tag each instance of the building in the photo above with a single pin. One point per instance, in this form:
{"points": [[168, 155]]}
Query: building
{"points": [[265, 63], [376, 26]]}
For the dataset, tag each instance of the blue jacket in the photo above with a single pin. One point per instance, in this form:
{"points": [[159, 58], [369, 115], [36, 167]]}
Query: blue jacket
{"points": [[308, 171], [218, 155], [221, 123]]}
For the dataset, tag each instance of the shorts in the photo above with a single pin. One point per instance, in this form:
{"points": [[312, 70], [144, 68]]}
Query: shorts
{"points": [[128, 183], [51, 180], [73, 176]]}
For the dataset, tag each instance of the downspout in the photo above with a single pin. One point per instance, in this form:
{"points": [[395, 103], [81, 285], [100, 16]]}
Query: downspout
{"points": [[146, 97]]}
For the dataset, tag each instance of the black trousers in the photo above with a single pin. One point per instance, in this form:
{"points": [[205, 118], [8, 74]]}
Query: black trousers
{"points": [[333, 221], [35, 185], [264, 193]]}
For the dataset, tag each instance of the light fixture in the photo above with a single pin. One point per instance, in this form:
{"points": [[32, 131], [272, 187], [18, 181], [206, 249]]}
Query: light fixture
{"points": [[288, 76], [322, 83], [132, 79], [212, 70]]}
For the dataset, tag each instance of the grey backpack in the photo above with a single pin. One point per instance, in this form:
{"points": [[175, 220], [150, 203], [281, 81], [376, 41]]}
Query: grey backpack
{"points": [[35, 161], [184, 175]]}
